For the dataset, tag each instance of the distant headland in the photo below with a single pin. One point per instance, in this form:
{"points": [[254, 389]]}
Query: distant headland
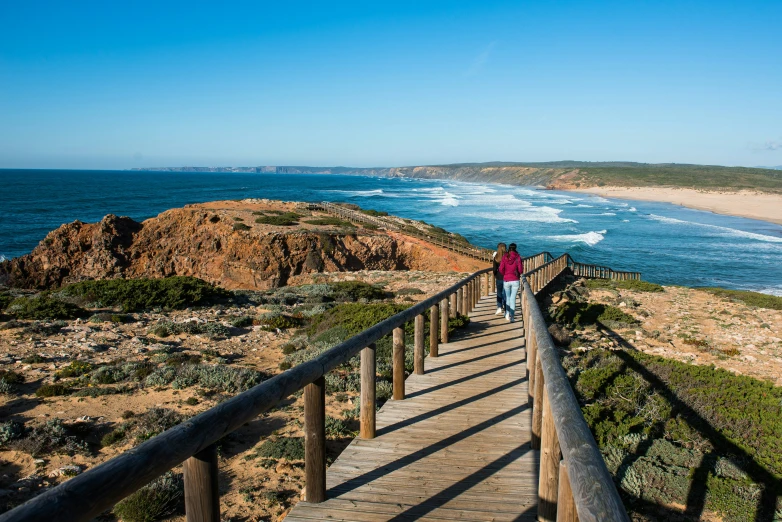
{"points": [[755, 193]]}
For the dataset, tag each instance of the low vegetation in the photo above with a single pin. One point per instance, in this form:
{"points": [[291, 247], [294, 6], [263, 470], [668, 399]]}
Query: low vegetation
{"points": [[330, 221], [44, 307], [133, 295], [156, 501], [631, 284], [755, 299], [283, 219]]}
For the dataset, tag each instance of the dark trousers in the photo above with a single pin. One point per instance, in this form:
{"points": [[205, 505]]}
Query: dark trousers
{"points": [[500, 294]]}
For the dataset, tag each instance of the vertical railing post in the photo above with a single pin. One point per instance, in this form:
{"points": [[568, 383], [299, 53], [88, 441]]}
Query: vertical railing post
{"points": [[550, 455], [443, 321], [452, 302], [368, 375], [202, 498], [398, 363], [418, 351], [566, 506], [537, 404], [434, 324], [460, 300], [315, 440]]}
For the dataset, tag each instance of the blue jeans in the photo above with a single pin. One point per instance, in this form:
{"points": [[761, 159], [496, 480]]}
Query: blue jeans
{"points": [[500, 295], [511, 289]]}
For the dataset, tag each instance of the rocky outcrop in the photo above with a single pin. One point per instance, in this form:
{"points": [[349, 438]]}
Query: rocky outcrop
{"points": [[201, 241]]}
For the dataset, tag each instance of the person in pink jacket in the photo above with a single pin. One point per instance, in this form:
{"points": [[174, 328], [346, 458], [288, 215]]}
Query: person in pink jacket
{"points": [[511, 269]]}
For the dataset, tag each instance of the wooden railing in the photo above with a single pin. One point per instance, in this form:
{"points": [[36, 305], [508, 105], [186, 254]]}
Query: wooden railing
{"points": [[355, 216], [192, 442], [574, 483]]}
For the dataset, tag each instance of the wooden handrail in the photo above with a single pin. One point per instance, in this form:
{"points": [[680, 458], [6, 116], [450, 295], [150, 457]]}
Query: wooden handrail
{"points": [[585, 491]]}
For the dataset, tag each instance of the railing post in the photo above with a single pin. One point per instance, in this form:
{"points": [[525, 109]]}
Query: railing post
{"points": [[566, 506], [315, 440], [452, 308], [434, 324], [418, 352], [537, 403], [443, 321], [460, 300], [202, 498], [398, 363], [468, 298], [550, 455], [368, 374]]}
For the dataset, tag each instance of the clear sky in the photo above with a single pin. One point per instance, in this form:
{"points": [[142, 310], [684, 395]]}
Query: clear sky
{"points": [[121, 84]]}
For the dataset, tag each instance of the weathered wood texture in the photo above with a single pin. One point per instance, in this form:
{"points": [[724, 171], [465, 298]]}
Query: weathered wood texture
{"points": [[202, 500], [315, 440], [456, 449], [398, 363], [368, 380], [434, 320]]}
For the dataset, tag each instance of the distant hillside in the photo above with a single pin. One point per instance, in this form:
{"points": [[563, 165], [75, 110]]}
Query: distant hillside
{"points": [[555, 174]]}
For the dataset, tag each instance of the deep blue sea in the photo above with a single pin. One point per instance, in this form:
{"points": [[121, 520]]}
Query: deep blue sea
{"points": [[667, 243]]}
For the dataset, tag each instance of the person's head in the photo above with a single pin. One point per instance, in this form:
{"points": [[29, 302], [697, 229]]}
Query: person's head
{"points": [[500, 251], [512, 247]]}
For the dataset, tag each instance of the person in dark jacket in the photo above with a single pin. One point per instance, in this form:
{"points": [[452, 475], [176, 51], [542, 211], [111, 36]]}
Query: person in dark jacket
{"points": [[511, 269], [501, 249]]}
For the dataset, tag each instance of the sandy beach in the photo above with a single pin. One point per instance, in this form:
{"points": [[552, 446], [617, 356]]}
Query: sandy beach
{"points": [[753, 205]]}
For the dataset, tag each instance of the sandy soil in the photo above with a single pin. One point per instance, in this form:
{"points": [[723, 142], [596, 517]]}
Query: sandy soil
{"points": [[753, 205], [697, 327]]}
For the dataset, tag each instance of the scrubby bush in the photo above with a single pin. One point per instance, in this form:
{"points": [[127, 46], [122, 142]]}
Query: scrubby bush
{"points": [[355, 290], [629, 284], [33, 359], [279, 322], [409, 291], [220, 378], [287, 219], [336, 428], [155, 421], [353, 317], [45, 328], [289, 448], [242, 322], [584, 314], [120, 372], [49, 438], [44, 307], [240, 227], [5, 300], [52, 390], [330, 221], [131, 295], [375, 213], [11, 377], [155, 501], [75, 369], [212, 329], [10, 430]]}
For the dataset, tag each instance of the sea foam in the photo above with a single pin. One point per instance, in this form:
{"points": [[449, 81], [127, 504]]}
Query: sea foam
{"points": [[590, 238]]}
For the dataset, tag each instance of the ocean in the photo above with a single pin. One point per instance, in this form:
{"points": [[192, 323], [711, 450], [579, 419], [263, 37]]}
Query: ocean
{"points": [[668, 244]]}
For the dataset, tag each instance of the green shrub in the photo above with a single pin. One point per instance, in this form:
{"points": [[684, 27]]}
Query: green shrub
{"points": [[11, 377], [75, 369], [220, 378], [279, 322], [584, 314], [336, 428], [330, 221], [52, 390], [9, 431], [49, 438], [166, 328], [287, 219], [155, 421], [369, 226], [131, 295], [750, 298], [409, 291], [289, 448], [630, 284], [33, 359], [155, 501], [242, 322], [5, 300], [458, 322], [353, 317], [191, 401], [288, 348], [105, 317], [116, 435], [355, 290], [44, 307], [241, 226]]}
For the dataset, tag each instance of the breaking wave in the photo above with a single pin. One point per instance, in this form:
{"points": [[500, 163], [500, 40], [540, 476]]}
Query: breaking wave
{"points": [[725, 231], [590, 238]]}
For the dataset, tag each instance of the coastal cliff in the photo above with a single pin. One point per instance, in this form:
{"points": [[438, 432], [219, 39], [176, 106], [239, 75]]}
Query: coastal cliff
{"points": [[211, 241]]}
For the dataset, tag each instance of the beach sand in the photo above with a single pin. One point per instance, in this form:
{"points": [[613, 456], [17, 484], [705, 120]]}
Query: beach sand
{"points": [[753, 205]]}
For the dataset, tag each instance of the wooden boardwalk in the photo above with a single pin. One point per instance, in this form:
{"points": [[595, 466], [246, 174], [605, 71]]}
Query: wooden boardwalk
{"points": [[457, 448]]}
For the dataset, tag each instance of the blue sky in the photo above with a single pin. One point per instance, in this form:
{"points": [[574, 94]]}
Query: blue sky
{"points": [[132, 84]]}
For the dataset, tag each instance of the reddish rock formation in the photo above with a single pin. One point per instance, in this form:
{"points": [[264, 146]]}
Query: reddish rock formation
{"points": [[200, 241]]}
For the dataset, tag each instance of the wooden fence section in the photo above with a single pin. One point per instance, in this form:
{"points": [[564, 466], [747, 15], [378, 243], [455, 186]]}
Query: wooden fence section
{"points": [[563, 430], [355, 216]]}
